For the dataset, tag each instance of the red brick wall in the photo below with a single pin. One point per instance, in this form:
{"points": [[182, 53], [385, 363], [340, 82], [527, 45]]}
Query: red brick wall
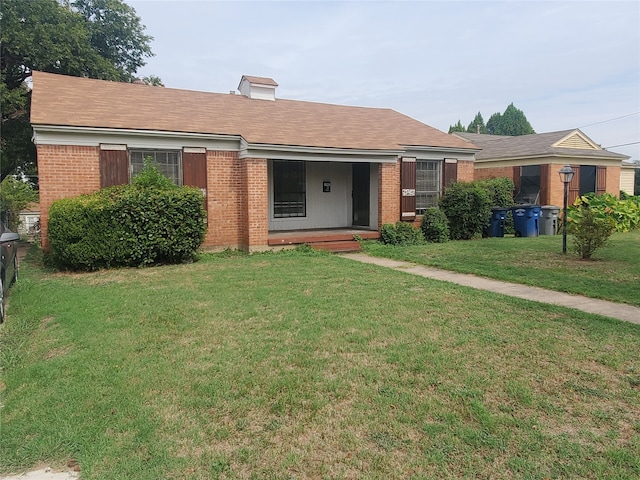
{"points": [[388, 193], [486, 173], [465, 171], [65, 171], [224, 198], [256, 211]]}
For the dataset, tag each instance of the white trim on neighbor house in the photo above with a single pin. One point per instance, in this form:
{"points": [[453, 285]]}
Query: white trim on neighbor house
{"points": [[556, 159], [590, 145]]}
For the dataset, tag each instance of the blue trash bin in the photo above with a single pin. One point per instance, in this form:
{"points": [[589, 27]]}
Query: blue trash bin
{"points": [[526, 220], [496, 223]]}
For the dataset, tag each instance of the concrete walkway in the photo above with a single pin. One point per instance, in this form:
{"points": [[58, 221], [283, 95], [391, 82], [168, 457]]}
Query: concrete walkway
{"points": [[620, 311]]}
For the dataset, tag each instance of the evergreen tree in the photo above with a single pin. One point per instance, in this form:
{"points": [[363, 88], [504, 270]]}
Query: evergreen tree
{"points": [[477, 126], [458, 127]]}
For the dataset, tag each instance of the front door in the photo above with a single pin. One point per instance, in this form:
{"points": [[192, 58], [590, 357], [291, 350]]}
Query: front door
{"points": [[360, 193]]}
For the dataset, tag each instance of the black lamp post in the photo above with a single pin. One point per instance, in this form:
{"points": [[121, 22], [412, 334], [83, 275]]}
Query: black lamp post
{"points": [[566, 175]]}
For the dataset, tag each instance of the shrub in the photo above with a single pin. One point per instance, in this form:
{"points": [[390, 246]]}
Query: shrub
{"points": [[126, 225], [624, 213], [468, 208], [500, 191], [590, 231], [435, 226], [401, 233]]}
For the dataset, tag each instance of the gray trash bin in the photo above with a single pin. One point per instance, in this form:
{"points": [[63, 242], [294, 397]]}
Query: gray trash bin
{"points": [[549, 219]]}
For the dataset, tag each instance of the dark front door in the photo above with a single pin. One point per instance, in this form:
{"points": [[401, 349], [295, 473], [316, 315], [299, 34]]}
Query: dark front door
{"points": [[360, 193]]}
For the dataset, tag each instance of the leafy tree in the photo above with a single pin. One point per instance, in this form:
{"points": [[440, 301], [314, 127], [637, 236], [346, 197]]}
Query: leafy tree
{"points": [[458, 127], [89, 38], [153, 81], [15, 195], [477, 125]]}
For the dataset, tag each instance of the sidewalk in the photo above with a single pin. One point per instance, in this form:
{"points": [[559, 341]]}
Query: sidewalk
{"points": [[619, 311]]}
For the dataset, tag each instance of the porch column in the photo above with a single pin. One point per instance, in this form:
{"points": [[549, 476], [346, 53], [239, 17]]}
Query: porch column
{"points": [[388, 193], [256, 211]]}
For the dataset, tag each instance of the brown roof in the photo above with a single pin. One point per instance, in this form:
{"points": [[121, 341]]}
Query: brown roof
{"points": [[495, 147], [260, 80], [82, 102]]}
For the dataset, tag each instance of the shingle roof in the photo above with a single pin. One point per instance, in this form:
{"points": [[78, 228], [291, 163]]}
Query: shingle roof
{"points": [[260, 80], [81, 102], [496, 147]]}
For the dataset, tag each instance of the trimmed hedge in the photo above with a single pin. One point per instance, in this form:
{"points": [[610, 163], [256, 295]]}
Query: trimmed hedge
{"points": [[126, 225], [467, 206], [435, 226]]}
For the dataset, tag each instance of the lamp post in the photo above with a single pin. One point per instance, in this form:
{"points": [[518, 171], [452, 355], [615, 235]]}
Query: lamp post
{"points": [[566, 175]]}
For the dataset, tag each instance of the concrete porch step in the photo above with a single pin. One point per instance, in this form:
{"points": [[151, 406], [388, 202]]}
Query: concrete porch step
{"points": [[337, 246]]}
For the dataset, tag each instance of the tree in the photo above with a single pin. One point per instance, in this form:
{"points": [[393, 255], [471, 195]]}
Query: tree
{"points": [[512, 122], [493, 125], [477, 126], [152, 80], [89, 38], [457, 127], [15, 195]]}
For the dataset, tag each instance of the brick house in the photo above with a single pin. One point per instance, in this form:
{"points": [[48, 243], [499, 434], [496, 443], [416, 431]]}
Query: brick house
{"points": [[533, 162], [273, 171]]}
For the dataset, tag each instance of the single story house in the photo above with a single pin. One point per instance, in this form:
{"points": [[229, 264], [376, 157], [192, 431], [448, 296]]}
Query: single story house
{"points": [[271, 169], [533, 162]]}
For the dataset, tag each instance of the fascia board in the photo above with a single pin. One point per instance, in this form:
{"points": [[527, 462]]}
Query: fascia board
{"points": [[317, 154], [93, 137]]}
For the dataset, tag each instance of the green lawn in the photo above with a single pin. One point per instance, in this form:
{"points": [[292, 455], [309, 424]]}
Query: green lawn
{"points": [[613, 274], [298, 365]]}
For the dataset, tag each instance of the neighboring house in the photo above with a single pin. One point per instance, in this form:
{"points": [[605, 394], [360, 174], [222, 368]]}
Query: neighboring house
{"points": [[628, 177], [266, 165], [533, 162], [28, 218]]}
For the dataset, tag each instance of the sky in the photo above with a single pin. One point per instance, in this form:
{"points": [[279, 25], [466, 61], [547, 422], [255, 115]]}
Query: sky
{"points": [[565, 64]]}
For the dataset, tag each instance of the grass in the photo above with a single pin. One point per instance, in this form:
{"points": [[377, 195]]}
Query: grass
{"points": [[613, 274], [297, 365]]}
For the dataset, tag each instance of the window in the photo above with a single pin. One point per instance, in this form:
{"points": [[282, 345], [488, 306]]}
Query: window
{"points": [[289, 189], [428, 182], [529, 184], [167, 161]]}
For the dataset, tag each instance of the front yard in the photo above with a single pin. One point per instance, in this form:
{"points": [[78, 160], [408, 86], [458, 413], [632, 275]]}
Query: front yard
{"points": [[302, 365], [613, 274]]}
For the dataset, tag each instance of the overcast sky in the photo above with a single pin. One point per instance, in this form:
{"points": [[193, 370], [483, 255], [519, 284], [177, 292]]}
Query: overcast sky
{"points": [[564, 64]]}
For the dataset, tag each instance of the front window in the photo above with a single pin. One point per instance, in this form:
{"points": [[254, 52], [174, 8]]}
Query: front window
{"points": [[427, 184], [167, 161], [289, 189]]}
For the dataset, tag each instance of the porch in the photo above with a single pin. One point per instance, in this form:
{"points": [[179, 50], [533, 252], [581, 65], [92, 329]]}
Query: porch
{"points": [[331, 239]]}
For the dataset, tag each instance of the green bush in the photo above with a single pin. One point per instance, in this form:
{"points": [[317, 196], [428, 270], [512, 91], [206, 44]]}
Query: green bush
{"points": [[590, 231], [468, 208], [126, 225], [401, 233], [624, 213], [435, 226], [500, 191]]}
